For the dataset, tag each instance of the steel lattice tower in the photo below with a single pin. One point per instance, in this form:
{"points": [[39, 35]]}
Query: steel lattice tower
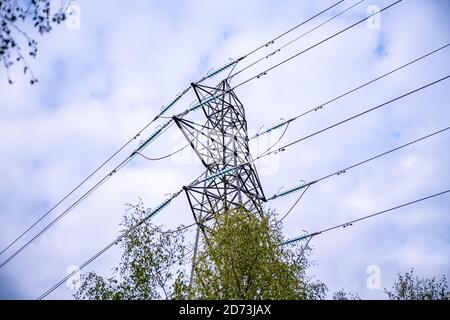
{"points": [[221, 143]]}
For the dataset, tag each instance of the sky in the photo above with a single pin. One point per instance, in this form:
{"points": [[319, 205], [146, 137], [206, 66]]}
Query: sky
{"points": [[103, 76]]}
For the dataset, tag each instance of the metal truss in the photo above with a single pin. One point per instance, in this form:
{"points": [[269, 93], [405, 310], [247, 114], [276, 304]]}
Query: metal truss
{"points": [[221, 143]]}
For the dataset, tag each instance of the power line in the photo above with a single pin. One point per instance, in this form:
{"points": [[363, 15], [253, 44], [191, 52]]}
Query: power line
{"points": [[261, 156], [295, 203], [193, 108], [164, 157], [87, 262], [318, 43], [206, 101], [164, 110], [85, 195], [179, 229], [320, 106], [188, 144], [136, 152], [306, 186], [305, 247], [145, 143], [309, 237], [286, 122], [98, 254], [138, 224], [61, 215], [112, 243], [150, 139], [355, 116], [278, 140], [80, 199], [292, 41], [70, 193], [160, 115], [320, 25], [272, 41], [351, 222], [90, 191], [344, 170], [292, 29], [94, 257], [170, 154]]}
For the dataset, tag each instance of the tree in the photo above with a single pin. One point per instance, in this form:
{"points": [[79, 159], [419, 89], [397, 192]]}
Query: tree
{"points": [[410, 287], [242, 259], [151, 262], [15, 18], [343, 295]]}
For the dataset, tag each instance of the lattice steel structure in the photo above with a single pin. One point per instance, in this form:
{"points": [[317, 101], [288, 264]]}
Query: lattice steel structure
{"points": [[221, 143]]}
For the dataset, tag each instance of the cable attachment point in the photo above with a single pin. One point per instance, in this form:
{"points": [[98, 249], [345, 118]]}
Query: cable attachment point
{"points": [[261, 74], [318, 108], [269, 43], [347, 225]]}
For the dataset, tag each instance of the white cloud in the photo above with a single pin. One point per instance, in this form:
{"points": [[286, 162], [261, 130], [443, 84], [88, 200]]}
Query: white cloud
{"points": [[100, 84]]}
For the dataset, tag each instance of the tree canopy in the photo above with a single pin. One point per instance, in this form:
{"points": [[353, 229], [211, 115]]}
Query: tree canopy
{"points": [[410, 287], [17, 20], [152, 259], [240, 259], [243, 259]]}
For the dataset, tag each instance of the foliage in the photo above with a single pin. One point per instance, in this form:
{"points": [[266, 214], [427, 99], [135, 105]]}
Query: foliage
{"points": [[410, 287], [242, 259], [342, 295], [151, 262], [18, 16]]}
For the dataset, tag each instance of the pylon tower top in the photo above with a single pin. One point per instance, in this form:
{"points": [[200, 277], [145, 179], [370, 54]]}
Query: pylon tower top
{"points": [[221, 143]]}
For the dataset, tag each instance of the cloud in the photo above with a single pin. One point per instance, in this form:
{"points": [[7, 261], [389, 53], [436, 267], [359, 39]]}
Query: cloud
{"points": [[100, 84]]}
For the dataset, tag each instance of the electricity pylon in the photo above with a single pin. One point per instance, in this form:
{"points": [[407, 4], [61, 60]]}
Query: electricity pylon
{"points": [[221, 143]]}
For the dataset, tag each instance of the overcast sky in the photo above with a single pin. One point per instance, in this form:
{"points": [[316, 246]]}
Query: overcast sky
{"points": [[100, 83]]}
